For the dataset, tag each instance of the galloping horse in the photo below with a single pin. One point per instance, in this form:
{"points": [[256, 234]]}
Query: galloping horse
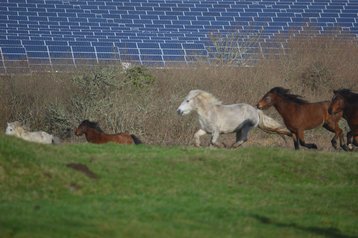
{"points": [[300, 115], [94, 134], [216, 118], [344, 100]]}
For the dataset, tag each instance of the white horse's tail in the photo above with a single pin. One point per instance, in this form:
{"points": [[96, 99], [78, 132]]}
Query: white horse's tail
{"points": [[270, 125]]}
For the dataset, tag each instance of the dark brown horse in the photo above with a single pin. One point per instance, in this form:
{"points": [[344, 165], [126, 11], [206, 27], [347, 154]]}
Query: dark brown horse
{"points": [[344, 100], [300, 115], [94, 134]]}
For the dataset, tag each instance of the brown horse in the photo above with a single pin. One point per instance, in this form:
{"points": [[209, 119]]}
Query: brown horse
{"points": [[94, 134], [300, 115], [344, 100]]}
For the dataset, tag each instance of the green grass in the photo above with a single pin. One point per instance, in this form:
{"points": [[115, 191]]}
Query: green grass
{"points": [[149, 191]]}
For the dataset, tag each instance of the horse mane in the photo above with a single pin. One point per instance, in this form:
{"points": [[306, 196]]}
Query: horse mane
{"points": [[347, 94], [285, 93], [15, 123], [92, 124], [206, 97], [20, 130]]}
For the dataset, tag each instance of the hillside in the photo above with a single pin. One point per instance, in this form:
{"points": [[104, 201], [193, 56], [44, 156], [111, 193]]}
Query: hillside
{"points": [[85, 190]]}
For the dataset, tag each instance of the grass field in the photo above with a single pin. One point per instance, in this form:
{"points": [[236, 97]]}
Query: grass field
{"points": [[85, 190]]}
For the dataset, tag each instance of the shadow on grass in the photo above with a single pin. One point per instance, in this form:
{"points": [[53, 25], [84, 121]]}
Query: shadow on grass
{"points": [[330, 232]]}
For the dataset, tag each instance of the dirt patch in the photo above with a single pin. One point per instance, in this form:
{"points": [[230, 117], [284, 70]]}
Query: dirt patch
{"points": [[83, 169]]}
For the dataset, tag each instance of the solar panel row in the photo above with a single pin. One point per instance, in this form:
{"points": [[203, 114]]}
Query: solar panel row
{"points": [[155, 31]]}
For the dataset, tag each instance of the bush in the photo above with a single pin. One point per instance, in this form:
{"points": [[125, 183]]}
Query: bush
{"points": [[139, 77], [98, 95]]}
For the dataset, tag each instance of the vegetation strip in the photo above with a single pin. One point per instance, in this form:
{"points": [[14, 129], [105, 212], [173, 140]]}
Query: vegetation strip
{"points": [[151, 191]]}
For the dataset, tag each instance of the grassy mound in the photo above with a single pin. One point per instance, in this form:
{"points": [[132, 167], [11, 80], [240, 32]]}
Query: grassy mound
{"points": [[86, 190]]}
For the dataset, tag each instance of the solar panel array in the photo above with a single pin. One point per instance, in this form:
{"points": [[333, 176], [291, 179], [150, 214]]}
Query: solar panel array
{"points": [[69, 32]]}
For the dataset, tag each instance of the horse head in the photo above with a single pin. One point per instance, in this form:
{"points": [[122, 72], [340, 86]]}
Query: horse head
{"points": [[85, 125], [188, 104], [337, 103], [267, 100], [197, 99], [13, 128], [82, 128]]}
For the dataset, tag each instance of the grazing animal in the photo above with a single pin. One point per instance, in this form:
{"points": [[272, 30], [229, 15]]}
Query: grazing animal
{"points": [[344, 100], [94, 134], [300, 115], [16, 129], [216, 118]]}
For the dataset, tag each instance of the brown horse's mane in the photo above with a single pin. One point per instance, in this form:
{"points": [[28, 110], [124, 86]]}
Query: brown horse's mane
{"points": [[347, 94], [285, 94], [91, 124]]}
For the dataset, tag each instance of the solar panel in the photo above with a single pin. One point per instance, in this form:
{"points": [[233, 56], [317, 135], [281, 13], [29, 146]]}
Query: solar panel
{"points": [[173, 52], [108, 56], [35, 54], [178, 58], [13, 50], [61, 55], [36, 48], [84, 55], [59, 48], [171, 46], [10, 42], [130, 57], [148, 45], [158, 30]]}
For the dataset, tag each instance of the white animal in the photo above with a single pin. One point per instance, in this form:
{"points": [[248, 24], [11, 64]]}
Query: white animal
{"points": [[16, 129], [216, 118]]}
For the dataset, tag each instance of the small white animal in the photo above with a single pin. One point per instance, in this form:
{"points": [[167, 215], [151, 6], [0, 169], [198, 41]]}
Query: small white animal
{"points": [[16, 129]]}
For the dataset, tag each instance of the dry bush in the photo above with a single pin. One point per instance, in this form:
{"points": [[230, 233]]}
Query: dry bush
{"points": [[314, 66], [25, 97], [144, 101]]}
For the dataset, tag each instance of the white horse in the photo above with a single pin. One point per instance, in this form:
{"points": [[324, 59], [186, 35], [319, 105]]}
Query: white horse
{"points": [[16, 129], [216, 118]]}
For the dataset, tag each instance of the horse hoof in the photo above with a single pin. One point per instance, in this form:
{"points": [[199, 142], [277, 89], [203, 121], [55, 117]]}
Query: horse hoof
{"points": [[226, 146], [313, 146], [211, 146], [345, 147], [216, 145], [350, 147], [334, 144]]}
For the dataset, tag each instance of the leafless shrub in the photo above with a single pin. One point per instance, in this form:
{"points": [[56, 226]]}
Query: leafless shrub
{"points": [[234, 48]]}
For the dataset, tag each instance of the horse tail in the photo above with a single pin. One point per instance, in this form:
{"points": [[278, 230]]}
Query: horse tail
{"points": [[56, 140], [270, 125], [136, 139]]}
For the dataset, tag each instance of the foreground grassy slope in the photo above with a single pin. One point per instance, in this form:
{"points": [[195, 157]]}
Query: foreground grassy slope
{"points": [[84, 190]]}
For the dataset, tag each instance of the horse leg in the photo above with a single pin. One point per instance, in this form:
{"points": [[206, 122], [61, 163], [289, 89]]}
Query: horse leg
{"points": [[350, 140], [197, 136], [237, 142], [301, 139], [332, 126], [241, 136], [295, 141], [214, 139], [355, 140]]}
